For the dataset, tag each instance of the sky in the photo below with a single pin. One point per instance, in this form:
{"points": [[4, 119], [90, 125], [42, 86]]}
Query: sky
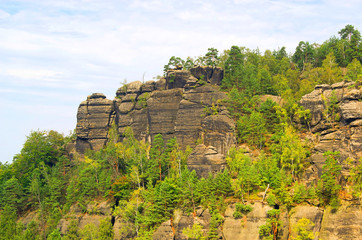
{"points": [[53, 54]]}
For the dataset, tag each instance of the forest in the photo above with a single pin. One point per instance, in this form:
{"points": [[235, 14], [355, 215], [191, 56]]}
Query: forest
{"points": [[147, 182]]}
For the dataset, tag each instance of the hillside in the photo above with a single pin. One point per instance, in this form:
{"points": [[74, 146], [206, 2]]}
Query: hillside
{"points": [[238, 145]]}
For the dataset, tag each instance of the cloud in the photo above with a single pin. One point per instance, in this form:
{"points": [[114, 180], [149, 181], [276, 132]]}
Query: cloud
{"points": [[58, 52]]}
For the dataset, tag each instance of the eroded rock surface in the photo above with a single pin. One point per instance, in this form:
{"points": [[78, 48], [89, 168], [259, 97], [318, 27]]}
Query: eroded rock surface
{"points": [[346, 223], [95, 116], [174, 106], [339, 130]]}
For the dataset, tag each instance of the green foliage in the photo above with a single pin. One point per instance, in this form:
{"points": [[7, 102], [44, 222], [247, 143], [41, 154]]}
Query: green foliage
{"points": [[356, 179], [8, 227], [271, 199], [304, 230], [54, 235], [105, 230], [328, 185], [13, 194], [270, 230], [32, 231], [194, 233], [354, 71], [211, 57], [252, 129], [215, 222], [290, 151], [72, 233], [241, 209]]}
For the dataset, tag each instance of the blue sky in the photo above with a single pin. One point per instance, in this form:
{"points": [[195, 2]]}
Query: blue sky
{"points": [[56, 53]]}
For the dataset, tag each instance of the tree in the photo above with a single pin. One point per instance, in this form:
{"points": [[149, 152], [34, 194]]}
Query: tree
{"points": [[270, 230], [233, 66], [304, 53], [353, 38], [280, 53], [72, 233], [54, 235], [346, 32], [172, 63], [13, 194], [211, 57], [356, 179], [290, 151], [331, 73], [8, 227], [40, 147], [32, 231], [188, 183], [329, 183], [156, 158], [252, 129], [354, 71]]}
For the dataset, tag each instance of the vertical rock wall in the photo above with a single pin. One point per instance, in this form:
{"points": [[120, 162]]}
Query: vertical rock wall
{"points": [[173, 106]]}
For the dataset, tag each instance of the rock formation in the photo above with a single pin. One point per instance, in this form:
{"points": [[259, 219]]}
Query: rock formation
{"points": [[173, 106], [336, 115]]}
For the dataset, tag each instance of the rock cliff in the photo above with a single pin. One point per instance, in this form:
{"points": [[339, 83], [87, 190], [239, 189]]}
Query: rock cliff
{"points": [[175, 106], [336, 121]]}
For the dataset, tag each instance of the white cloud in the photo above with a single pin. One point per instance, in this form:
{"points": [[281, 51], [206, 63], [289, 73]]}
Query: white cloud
{"points": [[61, 51], [40, 74]]}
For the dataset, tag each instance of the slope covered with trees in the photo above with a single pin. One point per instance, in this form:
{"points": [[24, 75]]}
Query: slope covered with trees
{"points": [[145, 183]]}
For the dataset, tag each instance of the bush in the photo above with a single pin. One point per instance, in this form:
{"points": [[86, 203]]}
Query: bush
{"points": [[241, 209]]}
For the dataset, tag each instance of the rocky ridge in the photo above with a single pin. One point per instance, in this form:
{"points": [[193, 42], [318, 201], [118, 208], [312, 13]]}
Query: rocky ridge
{"points": [[174, 106]]}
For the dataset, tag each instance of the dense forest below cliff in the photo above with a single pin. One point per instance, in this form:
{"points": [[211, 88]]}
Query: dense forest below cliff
{"points": [[145, 183]]}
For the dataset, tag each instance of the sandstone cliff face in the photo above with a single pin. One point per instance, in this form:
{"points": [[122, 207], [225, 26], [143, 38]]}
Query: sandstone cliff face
{"points": [[173, 106], [95, 116], [344, 134]]}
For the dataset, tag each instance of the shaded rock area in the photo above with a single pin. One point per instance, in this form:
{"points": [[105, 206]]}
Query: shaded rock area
{"points": [[174, 106]]}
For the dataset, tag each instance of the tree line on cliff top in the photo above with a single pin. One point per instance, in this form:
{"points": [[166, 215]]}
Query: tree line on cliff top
{"points": [[146, 182]]}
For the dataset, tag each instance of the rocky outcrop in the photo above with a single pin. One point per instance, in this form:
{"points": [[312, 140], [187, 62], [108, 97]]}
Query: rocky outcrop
{"points": [[95, 116], [346, 96], [174, 106], [336, 114]]}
